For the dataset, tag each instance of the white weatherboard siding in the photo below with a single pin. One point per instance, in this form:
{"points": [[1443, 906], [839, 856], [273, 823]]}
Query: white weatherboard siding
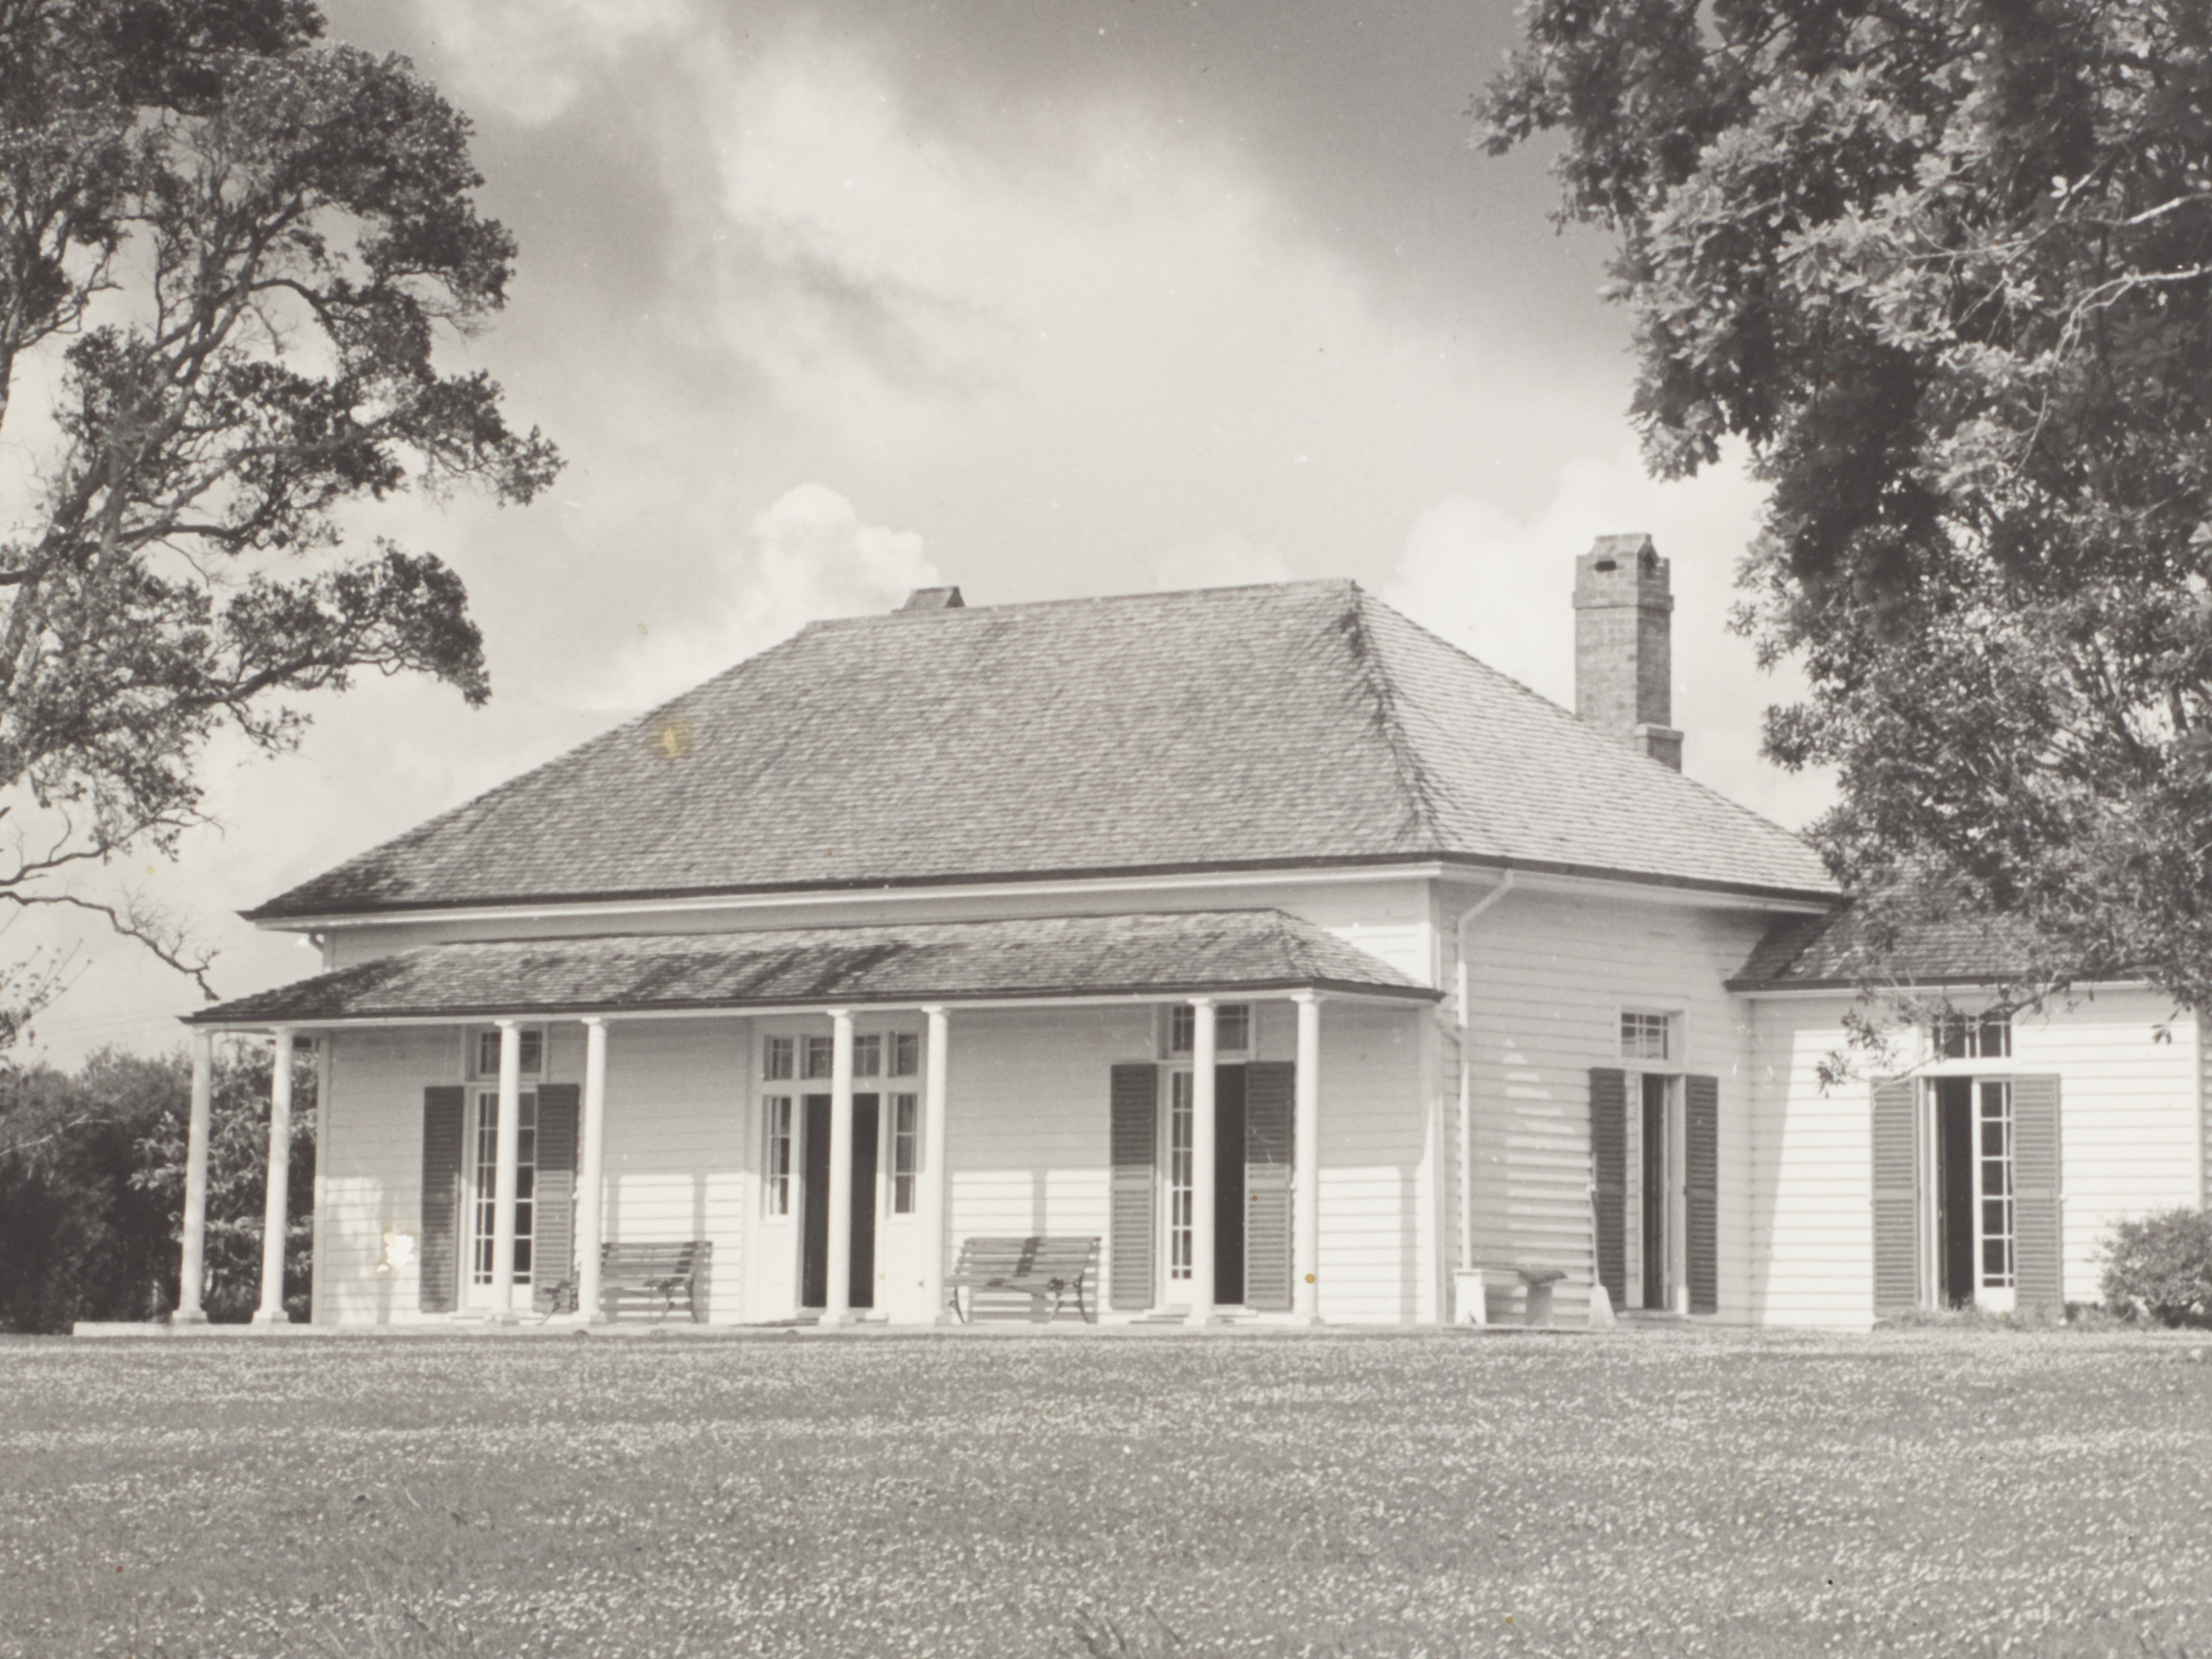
{"points": [[1389, 919], [368, 1172], [1549, 975], [1812, 1190], [678, 1146], [1375, 1138], [2130, 1141]]}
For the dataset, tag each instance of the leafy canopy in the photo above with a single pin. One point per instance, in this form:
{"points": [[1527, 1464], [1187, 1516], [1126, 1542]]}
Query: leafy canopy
{"points": [[227, 251], [1945, 267]]}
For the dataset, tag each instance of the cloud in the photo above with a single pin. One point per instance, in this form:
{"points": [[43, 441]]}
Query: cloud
{"points": [[807, 557], [532, 59]]}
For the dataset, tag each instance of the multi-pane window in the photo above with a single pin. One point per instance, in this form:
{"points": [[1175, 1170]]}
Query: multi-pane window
{"points": [[816, 1055], [1182, 1116], [775, 1162], [1232, 1029], [905, 1053], [483, 1256], [906, 1150], [1993, 1182], [1973, 1036], [776, 1058], [1646, 1037], [483, 1053], [868, 1056]]}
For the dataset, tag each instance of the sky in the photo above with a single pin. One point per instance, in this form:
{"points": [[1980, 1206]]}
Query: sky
{"points": [[823, 302]]}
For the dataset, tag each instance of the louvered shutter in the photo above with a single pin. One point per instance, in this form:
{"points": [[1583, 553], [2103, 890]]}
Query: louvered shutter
{"points": [[552, 1251], [1701, 1219], [1608, 1131], [1896, 1134], [438, 1257], [1135, 1109], [2039, 1278], [1270, 1096]]}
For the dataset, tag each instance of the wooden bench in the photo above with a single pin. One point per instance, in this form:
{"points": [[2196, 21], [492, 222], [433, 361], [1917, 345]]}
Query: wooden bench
{"points": [[650, 1276], [1015, 1278]]}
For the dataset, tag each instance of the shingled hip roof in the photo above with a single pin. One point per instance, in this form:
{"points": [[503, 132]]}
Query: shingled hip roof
{"points": [[1260, 727], [1167, 954]]}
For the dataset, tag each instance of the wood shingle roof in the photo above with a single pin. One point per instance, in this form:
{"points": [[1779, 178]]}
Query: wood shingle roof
{"points": [[1182, 952], [1296, 724]]}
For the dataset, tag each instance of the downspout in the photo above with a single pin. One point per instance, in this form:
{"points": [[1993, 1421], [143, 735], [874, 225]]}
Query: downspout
{"points": [[1467, 1072]]}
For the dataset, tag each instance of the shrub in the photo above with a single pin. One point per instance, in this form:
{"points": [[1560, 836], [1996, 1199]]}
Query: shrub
{"points": [[2162, 1264]]}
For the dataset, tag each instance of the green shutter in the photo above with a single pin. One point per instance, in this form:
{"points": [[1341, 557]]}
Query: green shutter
{"points": [[1701, 1116], [1608, 1132], [1897, 1183], [440, 1255], [552, 1252], [1135, 1110], [1270, 1099], [2038, 1276]]}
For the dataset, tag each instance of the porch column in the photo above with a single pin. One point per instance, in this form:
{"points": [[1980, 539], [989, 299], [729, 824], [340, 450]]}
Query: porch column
{"points": [[838, 1297], [591, 1163], [933, 1179], [277, 1214], [1202, 1050], [505, 1176], [1305, 1166], [192, 1269]]}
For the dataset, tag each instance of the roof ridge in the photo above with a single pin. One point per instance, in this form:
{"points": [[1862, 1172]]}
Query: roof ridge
{"points": [[1405, 757], [1567, 714], [822, 624]]}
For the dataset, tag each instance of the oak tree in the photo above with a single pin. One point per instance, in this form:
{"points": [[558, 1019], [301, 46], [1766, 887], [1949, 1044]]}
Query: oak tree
{"points": [[230, 252], [1944, 267]]}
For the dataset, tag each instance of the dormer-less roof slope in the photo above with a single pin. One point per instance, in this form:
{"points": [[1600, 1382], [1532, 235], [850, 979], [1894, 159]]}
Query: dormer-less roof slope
{"points": [[1292, 725]]}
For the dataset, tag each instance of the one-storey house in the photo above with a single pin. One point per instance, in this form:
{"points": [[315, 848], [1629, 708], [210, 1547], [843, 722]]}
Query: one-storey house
{"points": [[1245, 955]]}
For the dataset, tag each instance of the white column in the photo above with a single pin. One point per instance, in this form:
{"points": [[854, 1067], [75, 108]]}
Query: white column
{"points": [[1202, 1050], [934, 1191], [192, 1269], [276, 1215], [505, 1172], [591, 1166], [837, 1299], [1305, 1166]]}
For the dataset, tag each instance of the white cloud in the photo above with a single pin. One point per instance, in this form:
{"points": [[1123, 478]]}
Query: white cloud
{"points": [[532, 58], [807, 557]]}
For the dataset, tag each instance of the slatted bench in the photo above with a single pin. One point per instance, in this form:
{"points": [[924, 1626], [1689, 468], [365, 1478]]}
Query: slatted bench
{"points": [[649, 1277], [1016, 1277]]}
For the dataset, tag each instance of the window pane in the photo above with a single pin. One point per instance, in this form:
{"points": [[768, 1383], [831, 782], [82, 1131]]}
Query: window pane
{"points": [[1643, 1036], [818, 1055], [1182, 1027], [1997, 1039], [868, 1056], [533, 1051], [905, 1118], [1181, 1116], [775, 1058], [777, 1164], [1233, 1026], [487, 1053], [906, 1054]]}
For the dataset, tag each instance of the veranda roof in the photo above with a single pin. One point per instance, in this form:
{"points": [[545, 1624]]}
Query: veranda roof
{"points": [[1182, 953], [1293, 725]]}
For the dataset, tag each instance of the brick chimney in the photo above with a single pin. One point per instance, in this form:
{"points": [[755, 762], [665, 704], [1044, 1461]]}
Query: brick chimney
{"points": [[934, 598], [1623, 660]]}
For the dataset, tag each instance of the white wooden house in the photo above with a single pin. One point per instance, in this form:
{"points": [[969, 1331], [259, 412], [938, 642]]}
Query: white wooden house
{"points": [[1309, 967]]}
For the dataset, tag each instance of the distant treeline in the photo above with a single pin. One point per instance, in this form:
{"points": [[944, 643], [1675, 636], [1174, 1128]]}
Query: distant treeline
{"points": [[92, 1184]]}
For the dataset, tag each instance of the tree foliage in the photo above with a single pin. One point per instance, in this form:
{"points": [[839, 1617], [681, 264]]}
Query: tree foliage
{"points": [[1945, 267], [227, 250], [92, 1188]]}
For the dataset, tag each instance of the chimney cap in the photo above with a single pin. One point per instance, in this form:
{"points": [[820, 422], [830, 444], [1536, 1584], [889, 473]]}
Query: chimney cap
{"points": [[934, 598], [1609, 552]]}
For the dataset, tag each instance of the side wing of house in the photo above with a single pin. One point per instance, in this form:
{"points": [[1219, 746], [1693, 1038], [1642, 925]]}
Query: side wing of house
{"points": [[1990, 1176]]}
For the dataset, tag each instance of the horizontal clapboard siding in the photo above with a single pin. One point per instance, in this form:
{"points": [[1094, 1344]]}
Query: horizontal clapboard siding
{"points": [[1549, 974], [369, 1178], [2129, 1140]]}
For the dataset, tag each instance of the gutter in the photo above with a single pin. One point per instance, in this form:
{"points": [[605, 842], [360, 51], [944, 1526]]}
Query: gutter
{"points": [[1505, 884]]}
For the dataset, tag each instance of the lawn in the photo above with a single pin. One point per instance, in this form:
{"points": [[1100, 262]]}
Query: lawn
{"points": [[1922, 1492]]}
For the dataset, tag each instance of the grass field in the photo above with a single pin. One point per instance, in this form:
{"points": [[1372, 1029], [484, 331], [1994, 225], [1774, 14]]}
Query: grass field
{"points": [[1938, 1493]]}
